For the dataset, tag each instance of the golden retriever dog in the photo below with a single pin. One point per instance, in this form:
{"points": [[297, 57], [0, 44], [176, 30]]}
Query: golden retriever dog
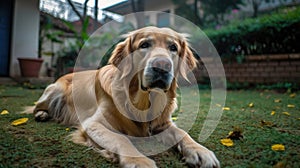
{"points": [[133, 96]]}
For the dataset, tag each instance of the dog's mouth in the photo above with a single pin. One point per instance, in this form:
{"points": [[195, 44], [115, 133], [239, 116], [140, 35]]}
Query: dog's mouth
{"points": [[160, 84], [153, 80]]}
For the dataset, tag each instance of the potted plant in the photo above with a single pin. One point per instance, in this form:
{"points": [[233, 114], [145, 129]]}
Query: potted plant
{"points": [[30, 67]]}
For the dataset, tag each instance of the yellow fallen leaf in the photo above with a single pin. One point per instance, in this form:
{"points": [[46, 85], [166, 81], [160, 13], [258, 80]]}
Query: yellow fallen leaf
{"points": [[226, 108], [273, 112], [292, 95], [251, 105], [4, 112], [19, 121], [286, 113], [226, 142], [277, 100], [174, 118], [290, 106], [67, 129], [278, 147]]}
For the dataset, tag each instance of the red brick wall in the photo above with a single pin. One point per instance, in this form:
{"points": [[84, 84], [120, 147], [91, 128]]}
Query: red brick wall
{"points": [[261, 69]]}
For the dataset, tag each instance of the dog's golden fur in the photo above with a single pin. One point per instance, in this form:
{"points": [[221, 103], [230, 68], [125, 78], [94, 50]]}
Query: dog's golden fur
{"points": [[119, 99]]}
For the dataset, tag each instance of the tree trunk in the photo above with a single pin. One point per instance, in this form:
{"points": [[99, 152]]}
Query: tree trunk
{"points": [[197, 20], [255, 5], [85, 9], [96, 15], [82, 17]]}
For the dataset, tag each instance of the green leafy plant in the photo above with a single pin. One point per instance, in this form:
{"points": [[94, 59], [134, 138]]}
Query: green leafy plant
{"points": [[269, 34], [47, 32], [68, 55]]}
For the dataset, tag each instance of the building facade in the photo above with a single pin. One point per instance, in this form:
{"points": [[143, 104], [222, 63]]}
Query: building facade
{"points": [[19, 34]]}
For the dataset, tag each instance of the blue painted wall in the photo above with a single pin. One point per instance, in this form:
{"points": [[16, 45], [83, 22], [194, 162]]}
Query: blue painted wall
{"points": [[6, 10]]}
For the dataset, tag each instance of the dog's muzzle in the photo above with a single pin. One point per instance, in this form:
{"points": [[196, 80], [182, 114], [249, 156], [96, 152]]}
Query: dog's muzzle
{"points": [[158, 74]]}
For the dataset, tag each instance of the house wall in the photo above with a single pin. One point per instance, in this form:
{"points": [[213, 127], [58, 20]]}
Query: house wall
{"points": [[49, 47], [155, 5], [25, 33]]}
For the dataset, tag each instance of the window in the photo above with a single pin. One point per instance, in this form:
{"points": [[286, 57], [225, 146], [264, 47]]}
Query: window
{"points": [[163, 19], [147, 20]]}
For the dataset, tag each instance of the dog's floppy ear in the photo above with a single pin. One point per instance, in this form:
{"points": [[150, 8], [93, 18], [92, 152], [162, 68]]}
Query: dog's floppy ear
{"points": [[120, 52], [188, 60], [121, 56]]}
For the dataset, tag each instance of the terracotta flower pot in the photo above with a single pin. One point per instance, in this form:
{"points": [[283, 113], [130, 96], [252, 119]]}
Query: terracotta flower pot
{"points": [[30, 67]]}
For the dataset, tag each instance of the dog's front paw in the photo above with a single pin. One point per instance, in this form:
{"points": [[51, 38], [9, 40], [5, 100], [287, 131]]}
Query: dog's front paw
{"points": [[137, 162], [200, 157]]}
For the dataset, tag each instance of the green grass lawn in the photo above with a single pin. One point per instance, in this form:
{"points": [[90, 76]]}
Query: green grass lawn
{"points": [[46, 144]]}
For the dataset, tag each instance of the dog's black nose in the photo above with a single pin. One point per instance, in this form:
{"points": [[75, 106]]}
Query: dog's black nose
{"points": [[161, 65]]}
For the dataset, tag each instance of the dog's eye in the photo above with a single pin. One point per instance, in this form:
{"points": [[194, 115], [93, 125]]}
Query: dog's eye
{"points": [[173, 48], [145, 45]]}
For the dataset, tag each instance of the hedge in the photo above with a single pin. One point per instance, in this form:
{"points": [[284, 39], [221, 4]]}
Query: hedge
{"points": [[271, 34]]}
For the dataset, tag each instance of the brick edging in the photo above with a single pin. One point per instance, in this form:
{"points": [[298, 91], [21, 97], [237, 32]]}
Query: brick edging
{"points": [[264, 69]]}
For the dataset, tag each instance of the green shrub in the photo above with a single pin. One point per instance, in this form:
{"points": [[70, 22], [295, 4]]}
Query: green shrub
{"points": [[271, 34]]}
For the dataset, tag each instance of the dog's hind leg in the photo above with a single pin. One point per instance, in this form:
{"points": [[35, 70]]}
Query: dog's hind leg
{"points": [[56, 104], [41, 110]]}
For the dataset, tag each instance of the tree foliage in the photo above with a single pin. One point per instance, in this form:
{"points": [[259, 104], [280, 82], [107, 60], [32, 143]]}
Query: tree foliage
{"points": [[218, 8], [209, 11], [184, 10]]}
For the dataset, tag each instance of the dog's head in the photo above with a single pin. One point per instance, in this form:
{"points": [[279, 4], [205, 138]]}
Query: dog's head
{"points": [[155, 56]]}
